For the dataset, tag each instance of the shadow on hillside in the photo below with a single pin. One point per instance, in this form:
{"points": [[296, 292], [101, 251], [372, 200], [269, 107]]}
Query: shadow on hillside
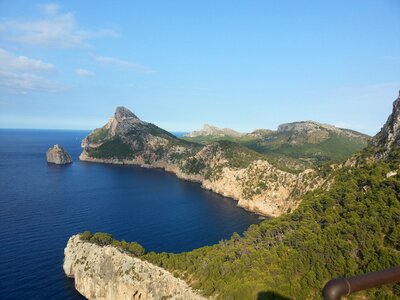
{"points": [[271, 296]]}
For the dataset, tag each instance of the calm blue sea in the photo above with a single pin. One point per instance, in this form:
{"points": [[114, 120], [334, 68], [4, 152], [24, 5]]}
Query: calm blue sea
{"points": [[41, 205]]}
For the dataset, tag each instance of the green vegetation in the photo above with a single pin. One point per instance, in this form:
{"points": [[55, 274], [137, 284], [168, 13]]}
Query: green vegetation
{"points": [[193, 165], [237, 155], [351, 229], [281, 152], [104, 239], [99, 135], [114, 148], [334, 148]]}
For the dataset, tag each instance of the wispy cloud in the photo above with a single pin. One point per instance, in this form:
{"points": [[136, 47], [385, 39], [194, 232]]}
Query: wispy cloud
{"points": [[50, 8], [84, 73], [124, 64], [21, 74], [12, 62], [54, 29]]}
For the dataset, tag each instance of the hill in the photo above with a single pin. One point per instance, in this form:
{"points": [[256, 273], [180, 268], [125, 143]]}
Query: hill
{"points": [[309, 143]]}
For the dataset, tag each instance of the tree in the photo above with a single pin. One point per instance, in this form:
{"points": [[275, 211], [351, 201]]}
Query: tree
{"points": [[102, 239], [136, 249]]}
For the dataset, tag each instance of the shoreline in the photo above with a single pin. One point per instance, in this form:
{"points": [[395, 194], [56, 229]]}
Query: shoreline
{"points": [[87, 159]]}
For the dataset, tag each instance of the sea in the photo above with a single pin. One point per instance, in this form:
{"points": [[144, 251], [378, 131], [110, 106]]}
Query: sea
{"points": [[42, 205]]}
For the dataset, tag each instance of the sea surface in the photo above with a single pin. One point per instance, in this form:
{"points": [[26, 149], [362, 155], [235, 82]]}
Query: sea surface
{"points": [[42, 205]]}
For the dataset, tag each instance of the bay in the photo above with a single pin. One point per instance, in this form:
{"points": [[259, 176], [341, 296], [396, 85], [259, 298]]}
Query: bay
{"points": [[42, 205]]}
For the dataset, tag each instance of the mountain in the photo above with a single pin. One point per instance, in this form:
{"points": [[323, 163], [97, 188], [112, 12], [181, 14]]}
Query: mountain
{"points": [[126, 136], [309, 143], [212, 131], [259, 183]]}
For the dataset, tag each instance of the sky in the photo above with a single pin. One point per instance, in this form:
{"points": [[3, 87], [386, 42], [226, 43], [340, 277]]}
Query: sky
{"points": [[179, 64]]}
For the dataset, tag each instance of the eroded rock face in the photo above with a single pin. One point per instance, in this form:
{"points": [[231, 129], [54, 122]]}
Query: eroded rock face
{"points": [[108, 274], [389, 136], [58, 155]]}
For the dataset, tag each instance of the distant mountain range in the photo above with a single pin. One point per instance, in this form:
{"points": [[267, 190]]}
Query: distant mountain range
{"points": [[309, 142]]}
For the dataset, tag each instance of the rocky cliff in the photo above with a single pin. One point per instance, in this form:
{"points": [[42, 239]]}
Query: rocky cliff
{"points": [[107, 273], [389, 136], [58, 155], [223, 167]]}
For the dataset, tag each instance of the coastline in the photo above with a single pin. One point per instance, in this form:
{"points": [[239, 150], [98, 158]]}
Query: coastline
{"points": [[258, 207]]}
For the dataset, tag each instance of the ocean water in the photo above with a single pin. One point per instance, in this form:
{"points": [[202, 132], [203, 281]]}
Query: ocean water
{"points": [[42, 205]]}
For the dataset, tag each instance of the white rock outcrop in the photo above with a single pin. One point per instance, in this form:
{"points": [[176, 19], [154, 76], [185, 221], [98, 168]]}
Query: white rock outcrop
{"points": [[106, 273]]}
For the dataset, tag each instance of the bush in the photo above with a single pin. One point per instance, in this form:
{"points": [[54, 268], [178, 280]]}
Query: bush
{"points": [[86, 236], [136, 249], [102, 239]]}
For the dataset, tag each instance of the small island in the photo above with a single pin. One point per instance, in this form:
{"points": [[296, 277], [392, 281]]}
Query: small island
{"points": [[58, 155]]}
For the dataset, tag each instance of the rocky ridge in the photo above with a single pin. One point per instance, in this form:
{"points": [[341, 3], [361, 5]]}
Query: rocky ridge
{"points": [[107, 273], [210, 130], [58, 155], [222, 167], [314, 132]]}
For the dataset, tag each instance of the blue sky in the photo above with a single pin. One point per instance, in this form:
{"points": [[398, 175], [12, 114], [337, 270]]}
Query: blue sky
{"points": [[179, 64]]}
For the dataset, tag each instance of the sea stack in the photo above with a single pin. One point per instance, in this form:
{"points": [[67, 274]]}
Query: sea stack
{"points": [[58, 155]]}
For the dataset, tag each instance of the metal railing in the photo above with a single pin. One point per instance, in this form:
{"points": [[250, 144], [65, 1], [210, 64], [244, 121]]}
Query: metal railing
{"points": [[337, 288]]}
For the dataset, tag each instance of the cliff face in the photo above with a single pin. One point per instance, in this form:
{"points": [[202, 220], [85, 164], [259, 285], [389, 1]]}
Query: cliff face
{"points": [[223, 167], [389, 136], [107, 273], [58, 155]]}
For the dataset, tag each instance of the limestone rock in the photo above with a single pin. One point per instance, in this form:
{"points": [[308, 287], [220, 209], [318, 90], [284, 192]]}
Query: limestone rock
{"points": [[58, 155], [210, 130], [314, 132], [106, 273], [389, 136]]}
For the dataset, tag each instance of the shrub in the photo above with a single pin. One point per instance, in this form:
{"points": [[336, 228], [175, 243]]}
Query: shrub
{"points": [[136, 249], [102, 239], [86, 236]]}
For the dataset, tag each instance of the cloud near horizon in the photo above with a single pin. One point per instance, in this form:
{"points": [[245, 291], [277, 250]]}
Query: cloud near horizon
{"points": [[53, 30]]}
